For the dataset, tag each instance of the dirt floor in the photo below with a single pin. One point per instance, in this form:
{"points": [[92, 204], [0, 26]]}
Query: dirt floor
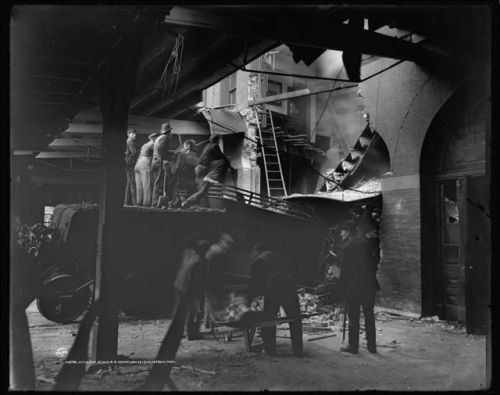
{"points": [[412, 355]]}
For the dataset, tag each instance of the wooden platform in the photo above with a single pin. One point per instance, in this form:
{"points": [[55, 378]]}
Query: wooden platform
{"points": [[146, 209]]}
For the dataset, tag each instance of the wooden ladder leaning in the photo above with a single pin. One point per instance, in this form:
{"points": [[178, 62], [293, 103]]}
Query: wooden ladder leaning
{"points": [[270, 154]]}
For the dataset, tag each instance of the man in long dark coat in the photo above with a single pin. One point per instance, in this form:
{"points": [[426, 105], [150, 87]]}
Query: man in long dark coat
{"points": [[359, 286]]}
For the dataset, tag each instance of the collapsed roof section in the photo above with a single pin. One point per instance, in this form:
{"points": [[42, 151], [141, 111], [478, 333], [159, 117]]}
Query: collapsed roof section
{"points": [[224, 121]]}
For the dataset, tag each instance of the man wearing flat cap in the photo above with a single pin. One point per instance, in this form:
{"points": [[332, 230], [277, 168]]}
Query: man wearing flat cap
{"points": [[161, 157], [359, 285]]}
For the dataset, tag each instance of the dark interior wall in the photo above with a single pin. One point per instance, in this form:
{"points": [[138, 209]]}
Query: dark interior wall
{"points": [[29, 200], [233, 145], [153, 242], [301, 174]]}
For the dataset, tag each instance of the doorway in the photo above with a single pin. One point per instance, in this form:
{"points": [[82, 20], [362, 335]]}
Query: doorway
{"points": [[451, 304], [455, 214]]}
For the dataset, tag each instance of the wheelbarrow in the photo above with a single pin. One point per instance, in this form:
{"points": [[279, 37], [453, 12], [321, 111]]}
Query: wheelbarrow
{"points": [[249, 323]]}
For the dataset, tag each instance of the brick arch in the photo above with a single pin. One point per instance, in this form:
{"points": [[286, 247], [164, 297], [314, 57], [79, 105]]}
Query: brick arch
{"points": [[406, 148], [464, 107], [401, 105]]}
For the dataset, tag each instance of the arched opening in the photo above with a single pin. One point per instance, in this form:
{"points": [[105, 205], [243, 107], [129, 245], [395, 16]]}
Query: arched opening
{"points": [[455, 220]]}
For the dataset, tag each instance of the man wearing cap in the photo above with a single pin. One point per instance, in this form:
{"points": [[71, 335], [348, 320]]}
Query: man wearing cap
{"points": [[359, 285], [161, 157], [182, 174], [212, 169], [131, 155], [143, 172]]}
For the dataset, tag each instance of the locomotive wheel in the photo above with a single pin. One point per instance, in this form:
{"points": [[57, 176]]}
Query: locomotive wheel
{"points": [[61, 302]]}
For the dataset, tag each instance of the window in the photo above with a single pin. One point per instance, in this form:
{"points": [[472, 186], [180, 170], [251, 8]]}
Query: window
{"points": [[270, 60], [48, 213], [274, 88], [228, 90]]}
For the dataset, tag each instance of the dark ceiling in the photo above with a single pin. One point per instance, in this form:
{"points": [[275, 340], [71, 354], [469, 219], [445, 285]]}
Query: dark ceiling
{"points": [[57, 51]]}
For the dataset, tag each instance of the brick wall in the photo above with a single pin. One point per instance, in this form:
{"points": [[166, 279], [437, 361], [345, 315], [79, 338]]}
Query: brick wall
{"points": [[399, 272]]}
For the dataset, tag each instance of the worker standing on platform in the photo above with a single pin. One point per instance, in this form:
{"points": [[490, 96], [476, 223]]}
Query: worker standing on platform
{"points": [[182, 173], [161, 158], [211, 169], [131, 155], [143, 172], [270, 277]]}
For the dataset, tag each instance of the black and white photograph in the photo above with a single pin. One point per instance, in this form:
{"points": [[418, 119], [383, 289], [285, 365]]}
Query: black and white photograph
{"points": [[251, 197]]}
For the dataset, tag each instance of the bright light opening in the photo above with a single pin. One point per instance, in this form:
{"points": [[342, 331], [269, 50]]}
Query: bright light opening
{"points": [[48, 213]]}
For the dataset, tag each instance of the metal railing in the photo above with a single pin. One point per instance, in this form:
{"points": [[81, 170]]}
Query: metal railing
{"points": [[254, 199]]}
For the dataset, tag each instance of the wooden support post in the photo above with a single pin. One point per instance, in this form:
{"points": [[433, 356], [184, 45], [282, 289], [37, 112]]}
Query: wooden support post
{"points": [[117, 86]]}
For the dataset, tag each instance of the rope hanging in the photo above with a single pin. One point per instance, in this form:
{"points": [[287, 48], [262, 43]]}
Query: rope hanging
{"points": [[175, 59]]}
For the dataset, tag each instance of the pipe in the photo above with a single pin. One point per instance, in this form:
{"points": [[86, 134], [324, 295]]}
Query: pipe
{"points": [[320, 78]]}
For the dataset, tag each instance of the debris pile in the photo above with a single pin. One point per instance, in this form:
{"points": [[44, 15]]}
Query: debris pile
{"points": [[434, 318], [434, 321], [236, 305], [308, 302], [371, 185], [34, 238], [443, 324], [326, 322]]}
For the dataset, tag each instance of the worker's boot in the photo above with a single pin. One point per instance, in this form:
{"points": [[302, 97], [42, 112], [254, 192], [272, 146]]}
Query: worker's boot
{"points": [[269, 339], [193, 327], [372, 349], [349, 349]]}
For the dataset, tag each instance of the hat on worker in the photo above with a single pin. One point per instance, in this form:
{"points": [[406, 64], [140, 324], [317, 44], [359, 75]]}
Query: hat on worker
{"points": [[131, 130], [357, 210], [153, 135], [165, 128], [348, 225], [227, 239]]}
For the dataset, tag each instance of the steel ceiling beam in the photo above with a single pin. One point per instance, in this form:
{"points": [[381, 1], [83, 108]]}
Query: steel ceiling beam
{"points": [[297, 30]]}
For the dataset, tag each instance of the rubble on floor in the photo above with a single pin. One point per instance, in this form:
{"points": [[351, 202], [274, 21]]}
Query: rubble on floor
{"points": [[236, 306], [308, 302], [322, 317], [433, 321]]}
